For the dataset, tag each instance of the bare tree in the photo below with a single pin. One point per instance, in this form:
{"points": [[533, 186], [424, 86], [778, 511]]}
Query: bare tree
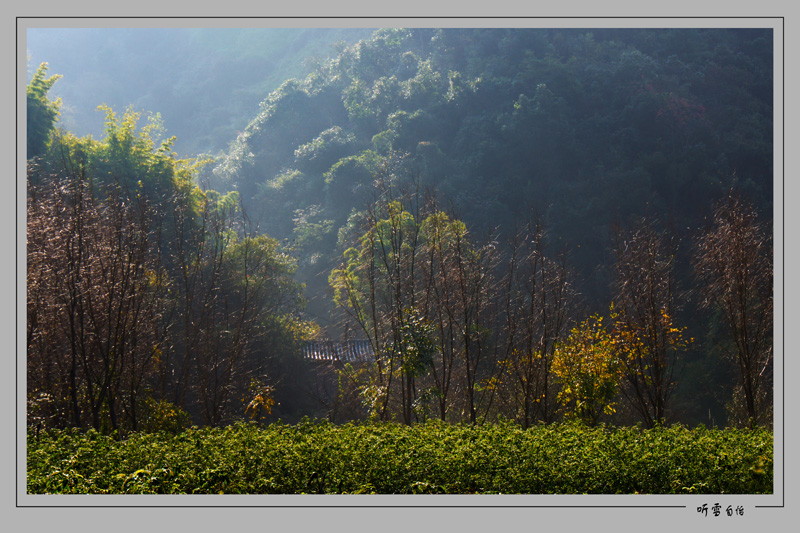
{"points": [[733, 260], [90, 302], [456, 296], [475, 291], [539, 300], [644, 314]]}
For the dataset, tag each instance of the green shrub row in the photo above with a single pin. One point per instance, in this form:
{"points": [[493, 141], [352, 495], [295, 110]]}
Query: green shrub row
{"points": [[317, 457]]}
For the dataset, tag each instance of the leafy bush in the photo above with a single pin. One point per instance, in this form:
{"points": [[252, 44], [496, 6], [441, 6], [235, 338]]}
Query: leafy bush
{"points": [[165, 416], [319, 457]]}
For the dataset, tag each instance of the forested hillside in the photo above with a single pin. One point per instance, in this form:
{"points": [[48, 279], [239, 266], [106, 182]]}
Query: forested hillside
{"points": [[587, 128], [534, 224]]}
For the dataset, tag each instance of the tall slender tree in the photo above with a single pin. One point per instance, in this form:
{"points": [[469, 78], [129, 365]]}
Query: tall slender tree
{"points": [[733, 260], [539, 304], [644, 318], [90, 303]]}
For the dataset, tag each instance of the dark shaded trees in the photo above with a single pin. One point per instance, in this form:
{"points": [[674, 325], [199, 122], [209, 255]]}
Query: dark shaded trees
{"points": [[232, 289], [565, 118]]}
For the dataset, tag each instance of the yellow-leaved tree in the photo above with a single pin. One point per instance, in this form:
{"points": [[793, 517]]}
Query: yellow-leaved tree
{"points": [[588, 369]]}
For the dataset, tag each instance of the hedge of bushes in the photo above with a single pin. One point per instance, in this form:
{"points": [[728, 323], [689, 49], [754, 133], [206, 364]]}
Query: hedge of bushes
{"points": [[318, 457]]}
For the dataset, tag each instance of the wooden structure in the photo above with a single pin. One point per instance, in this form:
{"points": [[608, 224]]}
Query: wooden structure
{"points": [[351, 351]]}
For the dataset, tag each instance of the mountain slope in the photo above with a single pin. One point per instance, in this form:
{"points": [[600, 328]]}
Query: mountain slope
{"points": [[589, 128]]}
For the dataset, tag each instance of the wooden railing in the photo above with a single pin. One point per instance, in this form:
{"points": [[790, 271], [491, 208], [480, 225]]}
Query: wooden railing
{"points": [[342, 351]]}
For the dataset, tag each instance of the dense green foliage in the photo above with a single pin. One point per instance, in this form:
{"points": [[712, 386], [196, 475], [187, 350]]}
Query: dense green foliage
{"points": [[432, 458], [504, 120]]}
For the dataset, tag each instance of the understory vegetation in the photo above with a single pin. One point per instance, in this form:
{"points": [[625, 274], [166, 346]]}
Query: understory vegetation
{"points": [[431, 458]]}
